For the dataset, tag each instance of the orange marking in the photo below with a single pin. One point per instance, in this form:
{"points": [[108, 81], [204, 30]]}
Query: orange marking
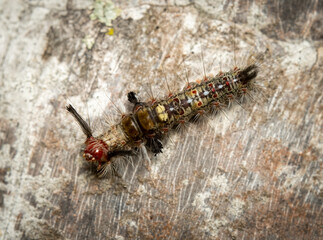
{"points": [[165, 130], [137, 108], [201, 112], [153, 100], [138, 142], [151, 135]]}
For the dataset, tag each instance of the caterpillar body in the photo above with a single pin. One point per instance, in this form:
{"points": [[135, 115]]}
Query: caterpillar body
{"points": [[150, 122]]}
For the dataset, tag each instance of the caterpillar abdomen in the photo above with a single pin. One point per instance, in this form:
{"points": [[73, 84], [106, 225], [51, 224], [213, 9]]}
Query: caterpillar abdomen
{"points": [[149, 122]]}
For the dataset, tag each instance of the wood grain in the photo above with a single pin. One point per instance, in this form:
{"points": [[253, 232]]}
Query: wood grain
{"points": [[256, 174]]}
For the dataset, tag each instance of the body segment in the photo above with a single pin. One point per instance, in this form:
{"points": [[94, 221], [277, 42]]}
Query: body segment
{"points": [[149, 122]]}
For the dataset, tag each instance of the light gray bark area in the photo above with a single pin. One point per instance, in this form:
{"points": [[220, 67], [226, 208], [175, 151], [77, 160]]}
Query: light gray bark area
{"points": [[252, 173]]}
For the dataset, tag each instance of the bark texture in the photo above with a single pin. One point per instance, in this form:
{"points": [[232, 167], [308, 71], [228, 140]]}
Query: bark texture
{"points": [[255, 174]]}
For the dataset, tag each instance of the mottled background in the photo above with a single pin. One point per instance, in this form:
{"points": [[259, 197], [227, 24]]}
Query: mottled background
{"points": [[255, 174]]}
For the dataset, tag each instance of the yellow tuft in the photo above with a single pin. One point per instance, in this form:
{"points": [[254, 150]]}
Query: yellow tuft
{"points": [[162, 115]]}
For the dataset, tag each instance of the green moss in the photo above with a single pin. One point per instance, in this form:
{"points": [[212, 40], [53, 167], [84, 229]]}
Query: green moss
{"points": [[89, 41], [105, 11]]}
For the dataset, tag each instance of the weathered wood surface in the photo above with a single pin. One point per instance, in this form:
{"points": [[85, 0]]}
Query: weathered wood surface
{"points": [[256, 175]]}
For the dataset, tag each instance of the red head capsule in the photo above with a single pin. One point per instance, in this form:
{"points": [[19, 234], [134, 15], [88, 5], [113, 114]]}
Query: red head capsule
{"points": [[95, 150]]}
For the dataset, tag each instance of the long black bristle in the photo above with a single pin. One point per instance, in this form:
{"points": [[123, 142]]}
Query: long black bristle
{"points": [[249, 73], [85, 127], [132, 98]]}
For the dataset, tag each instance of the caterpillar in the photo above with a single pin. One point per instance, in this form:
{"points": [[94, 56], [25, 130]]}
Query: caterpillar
{"points": [[150, 122]]}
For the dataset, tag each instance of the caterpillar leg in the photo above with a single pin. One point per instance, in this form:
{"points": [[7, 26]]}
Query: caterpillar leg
{"points": [[154, 144]]}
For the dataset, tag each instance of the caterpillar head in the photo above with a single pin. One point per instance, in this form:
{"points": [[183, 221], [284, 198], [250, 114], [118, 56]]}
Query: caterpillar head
{"points": [[95, 149]]}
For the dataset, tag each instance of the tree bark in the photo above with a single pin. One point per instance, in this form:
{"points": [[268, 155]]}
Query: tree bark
{"points": [[252, 173]]}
